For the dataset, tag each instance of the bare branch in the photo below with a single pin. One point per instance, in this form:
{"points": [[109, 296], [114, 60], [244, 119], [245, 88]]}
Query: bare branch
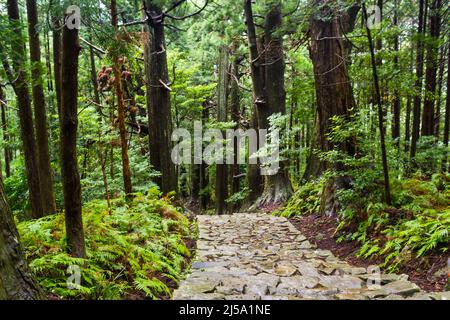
{"points": [[189, 15], [93, 46], [175, 5]]}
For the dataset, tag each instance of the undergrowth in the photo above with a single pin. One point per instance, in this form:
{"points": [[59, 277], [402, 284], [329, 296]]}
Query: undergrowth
{"points": [[417, 223], [137, 250]]}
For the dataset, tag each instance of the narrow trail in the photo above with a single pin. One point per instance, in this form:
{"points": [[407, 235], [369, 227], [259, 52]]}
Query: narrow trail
{"points": [[258, 256]]}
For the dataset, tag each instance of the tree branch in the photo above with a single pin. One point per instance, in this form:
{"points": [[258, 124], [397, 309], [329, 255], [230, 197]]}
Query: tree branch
{"points": [[189, 15]]}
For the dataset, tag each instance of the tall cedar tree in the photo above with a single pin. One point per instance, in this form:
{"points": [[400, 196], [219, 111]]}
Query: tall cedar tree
{"points": [[419, 78], [18, 78], [40, 114], [432, 67], [159, 113], [254, 178], [333, 92], [68, 132], [222, 103]]}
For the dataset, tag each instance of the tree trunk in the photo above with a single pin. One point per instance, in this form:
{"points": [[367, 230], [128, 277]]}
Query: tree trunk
{"points": [[40, 114], [16, 281], [57, 61], [437, 118], [235, 117], [126, 171], [432, 66], [408, 124], [254, 178], [7, 151], [419, 78], [20, 85], [277, 187], [397, 99], [222, 99], [333, 94], [160, 118], [445, 166], [68, 132], [204, 181], [380, 113], [100, 119]]}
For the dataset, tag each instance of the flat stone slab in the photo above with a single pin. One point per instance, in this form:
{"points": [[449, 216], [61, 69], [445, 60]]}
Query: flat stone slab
{"points": [[255, 256]]}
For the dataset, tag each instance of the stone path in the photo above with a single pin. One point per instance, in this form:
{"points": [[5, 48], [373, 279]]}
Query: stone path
{"points": [[258, 256]]}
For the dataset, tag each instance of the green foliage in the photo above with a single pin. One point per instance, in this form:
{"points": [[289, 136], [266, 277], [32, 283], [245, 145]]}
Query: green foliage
{"points": [[139, 248], [306, 200], [416, 224]]}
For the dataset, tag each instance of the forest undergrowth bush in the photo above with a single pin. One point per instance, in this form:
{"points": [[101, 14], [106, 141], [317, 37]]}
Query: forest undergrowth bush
{"points": [[414, 226], [138, 249]]}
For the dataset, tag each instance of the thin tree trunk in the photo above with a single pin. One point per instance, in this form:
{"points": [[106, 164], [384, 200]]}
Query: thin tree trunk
{"points": [[222, 99], [126, 171], [20, 85], [204, 181], [437, 118], [397, 99], [432, 65], [68, 132], [254, 178], [445, 166], [408, 124], [6, 139], [380, 113], [100, 141], [419, 78], [235, 117], [40, 113], [57, 61]]}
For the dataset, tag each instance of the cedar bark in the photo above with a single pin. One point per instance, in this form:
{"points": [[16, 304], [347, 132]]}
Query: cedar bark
{"points": [[160, 117], [432, 66], [334, 96], [126, 171], [445, 167], [419, 78], [68, 132], [7, 151], [20, 85], [204, 178], [397, 99], [235, 117], [40, 113], [57, 61], [277, 187], [437, 118], [16, 281], [222, 99], [254, 178]]}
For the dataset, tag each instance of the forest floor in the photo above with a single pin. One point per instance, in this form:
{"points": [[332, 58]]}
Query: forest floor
{"points": [[428, 273], [259, 256]]}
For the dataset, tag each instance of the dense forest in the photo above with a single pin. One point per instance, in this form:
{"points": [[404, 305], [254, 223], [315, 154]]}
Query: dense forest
{"points": [[130, 128]]}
